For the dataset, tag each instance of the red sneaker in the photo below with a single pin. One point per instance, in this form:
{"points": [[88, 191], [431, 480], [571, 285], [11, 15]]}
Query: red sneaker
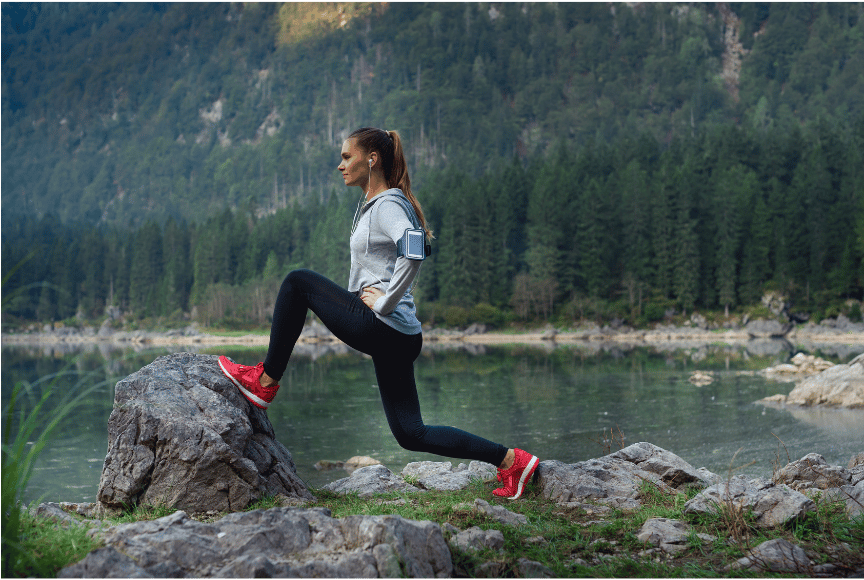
{"points": [[248, 380], [515, 478]]}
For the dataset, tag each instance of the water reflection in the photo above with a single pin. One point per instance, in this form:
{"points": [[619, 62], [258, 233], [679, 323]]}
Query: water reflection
{"points": [[557, 400]]}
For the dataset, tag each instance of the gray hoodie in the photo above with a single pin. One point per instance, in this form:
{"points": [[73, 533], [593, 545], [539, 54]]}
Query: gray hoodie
{"points": [[381, 223]]}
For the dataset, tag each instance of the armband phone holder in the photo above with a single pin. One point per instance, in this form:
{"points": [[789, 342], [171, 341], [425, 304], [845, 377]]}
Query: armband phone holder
{"points": [[412, 245]]}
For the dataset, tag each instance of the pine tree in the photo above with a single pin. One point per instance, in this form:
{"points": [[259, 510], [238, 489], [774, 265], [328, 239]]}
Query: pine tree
{"points": [[727, 220], [145, 275], [662, 234], [685, 262], [635, 243], [592, 240], [755, 267]]}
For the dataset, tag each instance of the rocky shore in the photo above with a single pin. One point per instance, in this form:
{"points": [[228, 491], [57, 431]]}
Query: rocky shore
{"points": [[301, 539], [820, 383], [696, 330], [181, 435]]}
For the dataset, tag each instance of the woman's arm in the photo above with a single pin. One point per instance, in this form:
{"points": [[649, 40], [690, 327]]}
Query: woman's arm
{"points": [[393, 222]]}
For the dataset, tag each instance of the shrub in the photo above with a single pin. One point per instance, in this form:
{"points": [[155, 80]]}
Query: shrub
{"points": [[654, 312], [455, 316], [485, 314]]}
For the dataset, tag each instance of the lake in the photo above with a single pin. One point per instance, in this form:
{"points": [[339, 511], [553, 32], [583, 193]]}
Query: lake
{"points": [[559, 402]]}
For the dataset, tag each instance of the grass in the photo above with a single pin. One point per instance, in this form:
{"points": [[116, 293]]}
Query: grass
{"points": [[237, 333], [50, 546], [570, 541], [22, 535]]}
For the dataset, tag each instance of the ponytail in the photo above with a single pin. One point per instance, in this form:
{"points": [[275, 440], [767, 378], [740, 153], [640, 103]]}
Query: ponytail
{"points": [[388, 145]]}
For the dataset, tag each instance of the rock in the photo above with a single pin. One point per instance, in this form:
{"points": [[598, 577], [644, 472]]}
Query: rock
{"points": [[315, 331], [764, 347], [856, 468], [784, 369], [326, 465], [589, 509], [778, 399], [55, 512], [359, 461], [824, 571], [775, 302], [699, 321], [491, 569], [105, 329], [105, 563], [182, 435], [701, 379], [809, 364], [476, 328], [370, 480], [854, 497], [671, 536], [86, 509], [549, 334], [475, 538], [531, 569], [709, 477], [500, 514], [812, 471], [767, 329], [777, 555], [616, 479], [441, 475], [838, 386], [672, 470], [772, 505], [279, 542]]}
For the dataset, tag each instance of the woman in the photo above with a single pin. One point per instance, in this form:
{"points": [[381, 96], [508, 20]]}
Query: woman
{"points": [[376, 314]]}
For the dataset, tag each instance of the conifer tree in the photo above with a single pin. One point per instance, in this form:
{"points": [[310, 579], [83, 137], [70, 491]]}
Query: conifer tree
{"points": [[685, 260]]}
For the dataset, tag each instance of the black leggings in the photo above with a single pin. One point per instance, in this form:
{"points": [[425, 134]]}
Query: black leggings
{"points": [[393, 354]]}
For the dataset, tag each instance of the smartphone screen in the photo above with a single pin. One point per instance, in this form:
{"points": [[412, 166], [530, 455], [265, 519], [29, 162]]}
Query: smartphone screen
{"points": [[415, 249]]}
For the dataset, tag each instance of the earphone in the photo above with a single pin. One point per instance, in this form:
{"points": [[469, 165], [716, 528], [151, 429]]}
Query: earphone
{"points": [[360, 203]]}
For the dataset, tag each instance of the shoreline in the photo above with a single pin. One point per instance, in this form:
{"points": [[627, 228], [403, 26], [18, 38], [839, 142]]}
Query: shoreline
{"points": [[313, 335]]}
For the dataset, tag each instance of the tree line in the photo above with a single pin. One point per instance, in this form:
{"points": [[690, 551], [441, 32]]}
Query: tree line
{"points": [[628, 229], [122, 113]]}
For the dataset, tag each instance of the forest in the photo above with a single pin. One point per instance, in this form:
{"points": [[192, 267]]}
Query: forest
{"points": [[576, 161]]}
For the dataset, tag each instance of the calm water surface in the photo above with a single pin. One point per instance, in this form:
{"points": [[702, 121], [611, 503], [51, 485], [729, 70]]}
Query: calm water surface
{"points": [[560, 403]]}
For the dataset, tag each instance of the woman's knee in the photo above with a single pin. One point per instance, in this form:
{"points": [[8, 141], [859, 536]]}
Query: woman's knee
{"points": [[298, 275], [297, 279], [411, 438]]}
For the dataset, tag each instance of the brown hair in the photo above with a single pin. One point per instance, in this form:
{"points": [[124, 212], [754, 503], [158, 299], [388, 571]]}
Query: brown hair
{"points": [[388, 145]]}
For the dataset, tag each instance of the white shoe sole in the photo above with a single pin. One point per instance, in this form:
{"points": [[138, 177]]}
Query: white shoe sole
{"points": [[251, 396], [529, 470]]}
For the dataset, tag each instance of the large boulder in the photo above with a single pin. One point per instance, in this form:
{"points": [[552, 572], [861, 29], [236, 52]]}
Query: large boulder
{"points": [[617, 478], [276, 543], [772, 505], [767, 329], [182, 435], [838, 386]]}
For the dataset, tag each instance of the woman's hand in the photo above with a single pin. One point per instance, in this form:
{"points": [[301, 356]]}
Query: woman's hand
{"points": [[370, 295]]}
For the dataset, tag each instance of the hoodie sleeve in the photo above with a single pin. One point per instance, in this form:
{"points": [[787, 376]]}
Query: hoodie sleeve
{"points": [[393, 221]]}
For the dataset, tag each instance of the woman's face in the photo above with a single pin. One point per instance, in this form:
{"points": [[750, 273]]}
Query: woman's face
{"points": [[355, 164]]}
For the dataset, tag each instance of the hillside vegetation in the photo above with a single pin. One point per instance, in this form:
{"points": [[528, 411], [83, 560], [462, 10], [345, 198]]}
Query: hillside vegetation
{"points": [[575, 160]]}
